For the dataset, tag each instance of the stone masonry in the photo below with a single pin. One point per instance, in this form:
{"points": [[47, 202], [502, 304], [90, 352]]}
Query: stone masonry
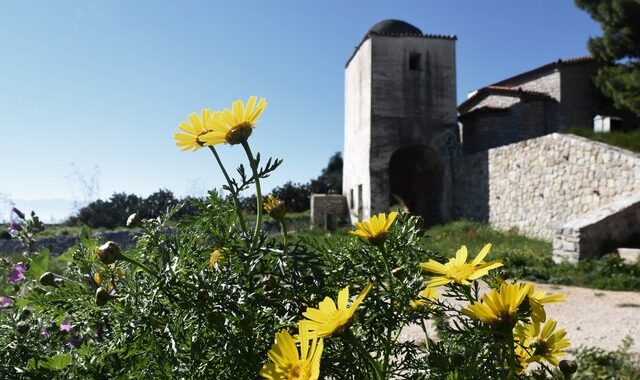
{"points": [[598, 231], [539, 185], [324, 207]]}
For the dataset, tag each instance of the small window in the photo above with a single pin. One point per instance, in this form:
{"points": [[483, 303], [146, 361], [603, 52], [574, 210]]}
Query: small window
{"points": [[414, 61], [351, 200]]}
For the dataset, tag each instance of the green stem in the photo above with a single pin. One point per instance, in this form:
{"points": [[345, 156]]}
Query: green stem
{"points": [[426, 335], [254, 169], [358, 346], [390, 280], [139, 265], [284, 236], [236, 201], [511, 354]]}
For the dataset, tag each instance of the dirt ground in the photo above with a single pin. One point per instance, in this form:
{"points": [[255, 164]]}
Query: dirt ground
{"points": [[591, 317]]}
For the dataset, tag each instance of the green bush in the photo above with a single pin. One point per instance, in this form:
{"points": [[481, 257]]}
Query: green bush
{"points": [[530, 259], [114, 212], [207, 299], [596, 363], [627, 140]]}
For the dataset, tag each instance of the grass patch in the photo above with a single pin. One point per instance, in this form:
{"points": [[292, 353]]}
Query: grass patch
{"points": [[530, 259], [626, 140]]}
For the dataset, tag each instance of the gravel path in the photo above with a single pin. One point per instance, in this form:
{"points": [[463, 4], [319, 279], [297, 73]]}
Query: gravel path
{"points": [[592, 317]]}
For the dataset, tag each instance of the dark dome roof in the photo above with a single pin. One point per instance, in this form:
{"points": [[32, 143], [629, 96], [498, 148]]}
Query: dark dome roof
{"points": [[391, 27]]}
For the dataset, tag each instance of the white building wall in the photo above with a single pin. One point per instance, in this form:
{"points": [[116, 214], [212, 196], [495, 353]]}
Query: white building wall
{"points": [[357, 132]]}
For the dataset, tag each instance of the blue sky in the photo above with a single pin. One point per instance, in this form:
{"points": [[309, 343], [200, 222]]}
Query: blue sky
{"points": [[105, 83]]}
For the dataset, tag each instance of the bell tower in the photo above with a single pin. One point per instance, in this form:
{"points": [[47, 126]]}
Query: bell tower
{"points": [[400, 122]]}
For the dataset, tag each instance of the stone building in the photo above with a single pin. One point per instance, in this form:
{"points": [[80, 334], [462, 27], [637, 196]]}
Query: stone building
{"points": [[501, 161], [551, 98], [400, 121]]}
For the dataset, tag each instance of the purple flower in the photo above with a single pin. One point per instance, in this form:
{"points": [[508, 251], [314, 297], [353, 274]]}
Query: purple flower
{"points": [[14, 229], [5, 302], [17, 274], [65, 325], [18, 212], [100, 331], [75, 342]]}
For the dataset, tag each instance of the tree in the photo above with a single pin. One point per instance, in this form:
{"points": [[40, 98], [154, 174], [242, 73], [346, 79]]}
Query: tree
{"points": [[331, 177], [618, 50], [294, 195]]}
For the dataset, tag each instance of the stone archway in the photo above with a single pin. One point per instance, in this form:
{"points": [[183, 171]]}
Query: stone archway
{"points": [[416, 181]]}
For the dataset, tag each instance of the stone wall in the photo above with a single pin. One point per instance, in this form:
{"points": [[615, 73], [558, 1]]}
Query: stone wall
{"points": [[538, 185], [599, 231], [486, 129], [546, 82], [334, 205]]}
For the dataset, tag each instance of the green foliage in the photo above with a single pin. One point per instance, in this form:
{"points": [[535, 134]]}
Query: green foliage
{"points": [[39, 264], [626, 140], [618, 49], [331, 177], [115, 211], [170, 308], [530, 259], [596, 364], [296, 196]]}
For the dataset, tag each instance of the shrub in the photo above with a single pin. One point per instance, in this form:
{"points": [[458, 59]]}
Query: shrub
{"points": [[207, 299], [596, 363], [115, 211]]}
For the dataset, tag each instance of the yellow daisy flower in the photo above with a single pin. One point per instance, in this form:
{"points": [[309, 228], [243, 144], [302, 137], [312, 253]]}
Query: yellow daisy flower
{"points": [[234, 126], [288, 364], [537, 298], [424, 298], [99, 277], [195, 129], [375, 229], [536, 343], [215, 259], [274, 207], [327, 319], [499, 308], [458, 270]]}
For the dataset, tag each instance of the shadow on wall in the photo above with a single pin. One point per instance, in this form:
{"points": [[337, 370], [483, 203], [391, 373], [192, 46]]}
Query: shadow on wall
{"points": [[416, 182], [470, 187]]}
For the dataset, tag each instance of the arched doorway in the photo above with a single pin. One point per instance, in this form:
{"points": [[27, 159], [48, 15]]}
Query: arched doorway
{"points": [[415, 181]]}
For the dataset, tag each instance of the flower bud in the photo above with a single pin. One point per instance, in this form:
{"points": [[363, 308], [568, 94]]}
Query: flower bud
{"points": [[109, 252], [216, 317], [203, 296], [568, 368], [133, 220], [102, 297], [22, 327], [275, 208], [48, 279], [19, 213], [24, 314]]}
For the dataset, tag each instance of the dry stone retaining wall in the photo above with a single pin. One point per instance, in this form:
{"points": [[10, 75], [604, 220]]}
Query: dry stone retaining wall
{"points": [[597, 231], [538, 185]]}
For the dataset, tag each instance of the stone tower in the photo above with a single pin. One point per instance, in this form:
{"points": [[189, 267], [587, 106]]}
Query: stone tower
{"points": [[400, 122]]}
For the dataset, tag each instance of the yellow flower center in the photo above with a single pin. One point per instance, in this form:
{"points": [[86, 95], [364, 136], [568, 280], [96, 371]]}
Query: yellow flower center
{"points": [[378, 238], [540, 347], [300, 371], [462, 272], [239, 134]]}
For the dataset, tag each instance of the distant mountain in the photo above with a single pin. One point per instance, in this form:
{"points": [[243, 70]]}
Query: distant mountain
{"points": [[49, 210]]}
